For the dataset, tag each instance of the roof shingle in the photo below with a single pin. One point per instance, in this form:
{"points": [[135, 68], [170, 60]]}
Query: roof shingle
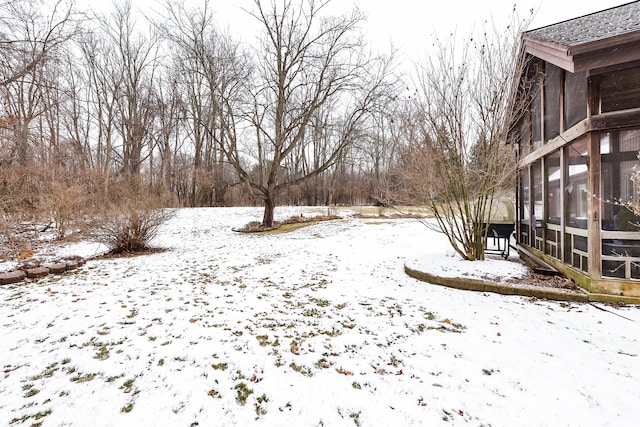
{"points": [[593, 27]]}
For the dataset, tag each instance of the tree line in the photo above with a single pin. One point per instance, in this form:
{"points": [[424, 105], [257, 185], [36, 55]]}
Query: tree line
{"points": [[172, 106], [186, 110]]}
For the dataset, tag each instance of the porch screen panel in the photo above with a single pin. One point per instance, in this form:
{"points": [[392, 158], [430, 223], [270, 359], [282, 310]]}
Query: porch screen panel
{"points": [[620, 90], [553, 188], [576, 191], [576, 205], [536, 119], [538, 208], [522, 135], [524, 207], [620, 225], [619, 158], [575, 98], [552, 82], [554, 207]]}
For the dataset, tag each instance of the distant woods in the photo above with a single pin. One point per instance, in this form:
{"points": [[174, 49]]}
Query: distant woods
{"points": [[174, 107]]}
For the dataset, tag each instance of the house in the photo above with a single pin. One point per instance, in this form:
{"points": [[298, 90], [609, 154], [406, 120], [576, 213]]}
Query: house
{"points": [[577, 135]]}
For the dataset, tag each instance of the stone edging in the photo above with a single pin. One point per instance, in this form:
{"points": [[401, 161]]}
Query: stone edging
{"points": [[38, 272], [503, 289]]}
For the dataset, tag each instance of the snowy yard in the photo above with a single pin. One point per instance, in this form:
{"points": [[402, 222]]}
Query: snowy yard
{"points": [[319, 326]]}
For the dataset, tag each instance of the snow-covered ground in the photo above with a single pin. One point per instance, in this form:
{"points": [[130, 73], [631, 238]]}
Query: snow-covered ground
{"points": [[319, 326]]}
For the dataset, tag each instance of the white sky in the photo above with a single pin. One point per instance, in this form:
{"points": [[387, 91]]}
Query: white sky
{"points": [[407, 25], [410, 24]]}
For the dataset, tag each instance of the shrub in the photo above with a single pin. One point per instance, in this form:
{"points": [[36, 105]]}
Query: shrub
{"points": [[132, 230], [66, 204], [128, 215]]}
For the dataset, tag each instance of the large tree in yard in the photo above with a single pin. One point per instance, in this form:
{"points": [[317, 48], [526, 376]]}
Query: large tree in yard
{"points": [[307, 64]]}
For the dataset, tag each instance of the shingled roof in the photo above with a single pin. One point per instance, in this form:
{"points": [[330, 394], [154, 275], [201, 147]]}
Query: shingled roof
{"points": [[593, 27], [596, 40]]}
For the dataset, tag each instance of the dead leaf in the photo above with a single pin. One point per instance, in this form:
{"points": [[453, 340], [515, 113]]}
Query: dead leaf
{"points": [[447, 321], [344, 372], [294, 349], [192, 320], [399, 372], [499, 334]]}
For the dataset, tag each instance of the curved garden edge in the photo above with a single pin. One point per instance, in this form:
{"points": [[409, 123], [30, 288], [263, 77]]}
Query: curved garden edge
{"points": [[554, 294], [503, 289], [289, 224]]}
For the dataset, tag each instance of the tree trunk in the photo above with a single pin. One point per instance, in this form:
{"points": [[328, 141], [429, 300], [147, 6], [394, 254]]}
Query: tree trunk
{"points": [[269, 208]]}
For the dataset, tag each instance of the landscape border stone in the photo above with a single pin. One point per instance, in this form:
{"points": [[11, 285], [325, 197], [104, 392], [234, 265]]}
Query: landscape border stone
{"points": [[11, 277], [35, 271], [58, 268]]}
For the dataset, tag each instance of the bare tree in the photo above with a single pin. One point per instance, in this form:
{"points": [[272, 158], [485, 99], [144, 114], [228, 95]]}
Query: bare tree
{"points": [[27, 35], [305, 62], [209, 68], [136, 57], [122, 64], [462, 117], [31, 36]]}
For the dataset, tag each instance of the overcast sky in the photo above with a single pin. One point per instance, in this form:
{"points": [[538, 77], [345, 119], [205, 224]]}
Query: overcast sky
{"points": [[410, 24]]}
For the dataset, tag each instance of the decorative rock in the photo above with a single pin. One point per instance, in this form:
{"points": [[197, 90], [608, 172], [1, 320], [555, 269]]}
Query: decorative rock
{"points": [[37, 273], [12, 277], [57, 268]]}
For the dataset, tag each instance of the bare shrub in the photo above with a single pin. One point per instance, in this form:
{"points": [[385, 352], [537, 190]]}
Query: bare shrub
{"points": [[7, 244], [132, 230], [458, 159], [130, 218], [66, 204]]}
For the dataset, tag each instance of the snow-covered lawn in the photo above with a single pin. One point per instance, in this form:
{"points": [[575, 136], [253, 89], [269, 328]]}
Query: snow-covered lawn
{"points": [[319, 326]]}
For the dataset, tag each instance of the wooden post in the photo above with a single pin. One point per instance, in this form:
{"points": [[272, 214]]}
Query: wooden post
{"points": [[593, 225], [564, 171], [545, 203]]}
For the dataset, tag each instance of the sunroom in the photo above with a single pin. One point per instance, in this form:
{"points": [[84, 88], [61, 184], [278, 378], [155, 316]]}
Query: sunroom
{"points": [[577, 136]]}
